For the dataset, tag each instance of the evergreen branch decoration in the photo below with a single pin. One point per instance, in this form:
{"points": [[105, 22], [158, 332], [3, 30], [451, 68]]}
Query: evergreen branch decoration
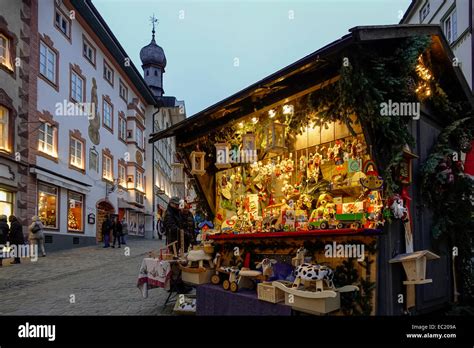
{"points": [[448, 192], [373, 77]]}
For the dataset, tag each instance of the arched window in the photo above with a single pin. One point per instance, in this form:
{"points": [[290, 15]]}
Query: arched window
{"points": [[147, 72], [156, 73]]}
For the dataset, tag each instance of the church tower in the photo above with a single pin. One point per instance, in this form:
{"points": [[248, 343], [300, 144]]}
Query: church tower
{"points": [[153, 64]]}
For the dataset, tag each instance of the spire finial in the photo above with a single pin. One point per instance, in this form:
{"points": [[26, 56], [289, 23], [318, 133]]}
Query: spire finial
{"points": [[153, 20]]}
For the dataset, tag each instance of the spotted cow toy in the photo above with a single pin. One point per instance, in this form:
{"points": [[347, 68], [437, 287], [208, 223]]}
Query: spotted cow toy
{"points": [[318, 273]]}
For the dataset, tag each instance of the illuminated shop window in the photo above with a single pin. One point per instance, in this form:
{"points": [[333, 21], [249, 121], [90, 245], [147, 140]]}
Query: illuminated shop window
{"points": [[48, 205], [75, 212]]}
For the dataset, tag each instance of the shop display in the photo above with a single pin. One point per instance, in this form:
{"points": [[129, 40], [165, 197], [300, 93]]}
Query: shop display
{"points": [[297, 169], [294, 190]]}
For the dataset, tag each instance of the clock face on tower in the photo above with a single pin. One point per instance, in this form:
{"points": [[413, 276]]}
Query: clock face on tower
{"points": [[139, 158]]}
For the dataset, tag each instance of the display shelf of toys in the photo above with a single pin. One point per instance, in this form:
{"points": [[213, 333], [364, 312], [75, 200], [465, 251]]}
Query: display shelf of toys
{"points": [[273, 179]]}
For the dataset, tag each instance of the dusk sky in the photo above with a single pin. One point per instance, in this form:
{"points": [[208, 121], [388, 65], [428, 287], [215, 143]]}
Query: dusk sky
{"points": [[204, 40]]}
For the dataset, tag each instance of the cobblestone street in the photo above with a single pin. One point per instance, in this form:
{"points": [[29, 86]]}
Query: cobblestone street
{"points": [[103, 282]]}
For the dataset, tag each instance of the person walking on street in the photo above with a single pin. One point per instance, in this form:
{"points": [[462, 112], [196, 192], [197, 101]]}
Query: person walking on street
{"points": [[16, 236], [160, 230], [117, 232], [124, 231], [106, 227], [36, 235], [4, 232]]}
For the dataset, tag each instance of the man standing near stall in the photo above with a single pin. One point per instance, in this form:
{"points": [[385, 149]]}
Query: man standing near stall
{"points": [[173, 227], [172, 221]]}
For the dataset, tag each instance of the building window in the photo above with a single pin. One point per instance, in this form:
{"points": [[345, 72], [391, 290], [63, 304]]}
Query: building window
{"points": [[76, 149], [450, 26], [77, 87], [88, 51], [5, 52], [122, 128], [75, 212], [48, 63], [108, 73], [107, 168], [139, 180], [139, 137], [6, 203], [48, 205], [4, 129], [123, 91], [122, 176], [424, 12], [62, 23], [93, 159], [139, 198], [108, 111], [47, 139]]}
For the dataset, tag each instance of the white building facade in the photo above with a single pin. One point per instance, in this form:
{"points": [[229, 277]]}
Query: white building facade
{"points": [[455, 18], [94, 115]]}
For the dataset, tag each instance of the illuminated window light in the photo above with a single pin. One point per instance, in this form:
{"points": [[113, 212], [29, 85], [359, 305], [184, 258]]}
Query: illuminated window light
{"points": [[271, 113], [288, 109]]}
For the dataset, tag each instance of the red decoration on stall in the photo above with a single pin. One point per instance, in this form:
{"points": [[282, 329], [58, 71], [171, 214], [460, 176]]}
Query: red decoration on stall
{"points": [[469, 162], [247, 260]]}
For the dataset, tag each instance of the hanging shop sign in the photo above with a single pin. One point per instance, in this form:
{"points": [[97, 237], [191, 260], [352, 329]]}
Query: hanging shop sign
{"points": [[91, 219]]}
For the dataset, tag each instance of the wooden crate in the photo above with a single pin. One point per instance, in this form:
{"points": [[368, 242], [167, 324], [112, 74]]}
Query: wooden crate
{"points": [[197, 278], [267, 292], [186, 298], [315, 306]]}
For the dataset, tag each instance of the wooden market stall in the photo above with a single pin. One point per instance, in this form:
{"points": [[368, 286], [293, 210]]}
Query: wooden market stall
{"points": [[324, 155]]}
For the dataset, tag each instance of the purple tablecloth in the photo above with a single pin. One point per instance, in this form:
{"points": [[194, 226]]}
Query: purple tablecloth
{"points": [[214, 300]]}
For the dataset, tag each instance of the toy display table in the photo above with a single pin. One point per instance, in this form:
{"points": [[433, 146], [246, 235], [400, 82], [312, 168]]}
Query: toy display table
{"points": [[214, 300], [310, 234]]}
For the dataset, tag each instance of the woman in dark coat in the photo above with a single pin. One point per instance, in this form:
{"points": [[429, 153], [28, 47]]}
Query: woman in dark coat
{"points": [[16, 235], [4, 232]]}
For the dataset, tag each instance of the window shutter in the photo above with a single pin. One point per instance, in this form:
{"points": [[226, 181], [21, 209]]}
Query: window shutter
{"points": [[454, 25]]}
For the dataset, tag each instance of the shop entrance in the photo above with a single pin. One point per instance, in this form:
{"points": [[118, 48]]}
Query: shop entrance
{"points": [[104, 208]]}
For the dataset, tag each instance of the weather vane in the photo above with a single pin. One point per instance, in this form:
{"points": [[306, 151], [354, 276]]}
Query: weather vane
{"points": [[153, 20]]}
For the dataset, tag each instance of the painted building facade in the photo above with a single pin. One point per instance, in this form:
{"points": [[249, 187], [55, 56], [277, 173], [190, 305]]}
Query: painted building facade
{"points": [[75, 116], [18, 51]]}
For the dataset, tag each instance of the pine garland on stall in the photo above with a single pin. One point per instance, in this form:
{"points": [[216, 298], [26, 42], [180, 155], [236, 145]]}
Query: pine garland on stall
{"points": [[448, 192]]}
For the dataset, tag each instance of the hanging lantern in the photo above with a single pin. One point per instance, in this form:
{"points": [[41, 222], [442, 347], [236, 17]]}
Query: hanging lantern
{"points": [[249, 148], [197, 162], [178, 177], [222, 155], [275, 138]]}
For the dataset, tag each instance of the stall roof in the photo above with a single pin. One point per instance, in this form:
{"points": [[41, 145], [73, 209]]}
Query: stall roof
{"points": [[223, 111]]}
